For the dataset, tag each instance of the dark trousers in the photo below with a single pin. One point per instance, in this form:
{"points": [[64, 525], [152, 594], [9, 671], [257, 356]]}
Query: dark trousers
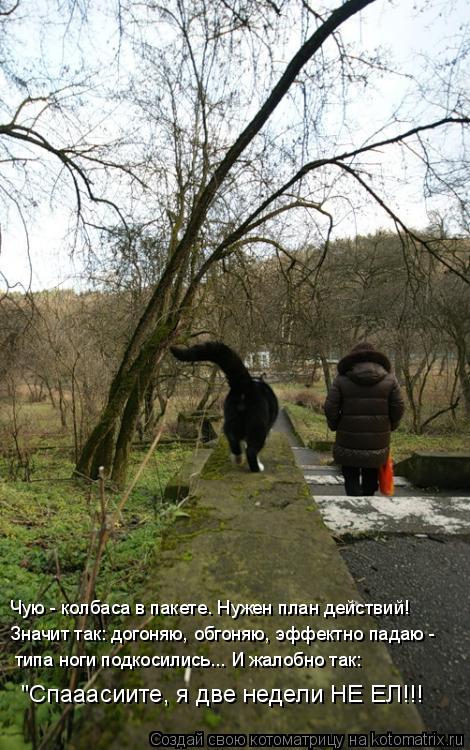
{"points": [[359, 481]]}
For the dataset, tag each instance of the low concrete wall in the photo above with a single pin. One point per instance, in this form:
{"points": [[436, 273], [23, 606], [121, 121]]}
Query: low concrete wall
{"points": [[198, 425], [447, 471], [252, 539], [322, 445]]}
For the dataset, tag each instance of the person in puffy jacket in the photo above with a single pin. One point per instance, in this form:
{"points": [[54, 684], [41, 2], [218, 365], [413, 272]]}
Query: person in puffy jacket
{"points": [[363, 405]]}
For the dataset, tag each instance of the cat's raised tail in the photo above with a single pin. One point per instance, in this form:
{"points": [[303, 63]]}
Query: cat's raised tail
{"points": [[220, 354]]}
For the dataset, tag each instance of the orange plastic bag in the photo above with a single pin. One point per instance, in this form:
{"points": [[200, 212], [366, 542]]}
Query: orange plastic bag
{"points": [[386, 484]]}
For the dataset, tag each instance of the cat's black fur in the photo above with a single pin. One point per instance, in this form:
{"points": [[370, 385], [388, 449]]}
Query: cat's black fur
{"points": [[250, 408]]}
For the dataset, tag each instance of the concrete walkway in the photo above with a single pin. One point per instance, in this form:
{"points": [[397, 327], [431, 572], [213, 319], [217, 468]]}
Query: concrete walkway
{"points": [[409, 511], [256, 540]]}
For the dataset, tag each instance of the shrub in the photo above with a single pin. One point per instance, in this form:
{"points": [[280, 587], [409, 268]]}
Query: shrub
{"points": [[306, 398]]}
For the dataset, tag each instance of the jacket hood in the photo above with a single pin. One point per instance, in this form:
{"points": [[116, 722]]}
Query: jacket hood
{"points": [[366, 373], [364, 352]]}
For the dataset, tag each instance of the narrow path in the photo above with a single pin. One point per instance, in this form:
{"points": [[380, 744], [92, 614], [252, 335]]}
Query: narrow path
{"points": [[243, 581], [410, 511]]}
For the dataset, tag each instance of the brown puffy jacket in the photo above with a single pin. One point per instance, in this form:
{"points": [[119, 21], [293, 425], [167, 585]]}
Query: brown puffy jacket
{"points": [[363, 405]]}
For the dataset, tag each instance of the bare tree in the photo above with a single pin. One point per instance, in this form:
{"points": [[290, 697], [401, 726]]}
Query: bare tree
{"points": [[450, 312], [54, 150], [198, 192], [203, 181]]}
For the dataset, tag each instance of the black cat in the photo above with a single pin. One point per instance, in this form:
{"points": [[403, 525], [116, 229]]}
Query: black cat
{"points": [[250, 408]]}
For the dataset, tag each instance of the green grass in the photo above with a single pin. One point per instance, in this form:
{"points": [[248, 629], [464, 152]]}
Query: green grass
{"points": [[405, 443], [45, 529], [309, 425], [38, 423]]}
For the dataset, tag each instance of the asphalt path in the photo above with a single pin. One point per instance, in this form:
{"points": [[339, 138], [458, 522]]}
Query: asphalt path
{"points": [[415, 547], [434, 575]]}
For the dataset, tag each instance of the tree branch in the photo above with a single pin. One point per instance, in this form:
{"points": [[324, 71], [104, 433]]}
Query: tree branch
{"points": [[416, 238]]}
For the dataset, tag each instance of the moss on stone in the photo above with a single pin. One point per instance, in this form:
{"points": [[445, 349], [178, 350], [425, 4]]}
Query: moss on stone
{"points": [[266, 549], [217, 461]]}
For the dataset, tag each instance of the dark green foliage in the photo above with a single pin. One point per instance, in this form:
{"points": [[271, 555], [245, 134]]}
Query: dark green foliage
{"points": [[45, 531]]}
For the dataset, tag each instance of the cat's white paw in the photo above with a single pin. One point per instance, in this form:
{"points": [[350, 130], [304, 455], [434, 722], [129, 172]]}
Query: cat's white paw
{"points": [[260, 465]]}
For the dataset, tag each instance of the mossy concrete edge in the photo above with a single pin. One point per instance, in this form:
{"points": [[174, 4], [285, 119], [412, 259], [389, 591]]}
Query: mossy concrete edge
{"points": [[316, 444], [251, 538], [446, 471]]}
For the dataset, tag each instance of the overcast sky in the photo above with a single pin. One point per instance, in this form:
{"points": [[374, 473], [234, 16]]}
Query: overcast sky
{"points": [[408, 35]]}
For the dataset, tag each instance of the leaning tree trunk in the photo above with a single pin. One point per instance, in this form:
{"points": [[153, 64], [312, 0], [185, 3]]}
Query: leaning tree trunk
{"points": [[151, 338], [130, 417], [99, 449], [125, 436], [149, 405]]}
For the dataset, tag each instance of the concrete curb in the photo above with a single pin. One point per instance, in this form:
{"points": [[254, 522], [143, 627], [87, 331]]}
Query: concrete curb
{"points": [[447, 471], [322, 445], [292, 425]]}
